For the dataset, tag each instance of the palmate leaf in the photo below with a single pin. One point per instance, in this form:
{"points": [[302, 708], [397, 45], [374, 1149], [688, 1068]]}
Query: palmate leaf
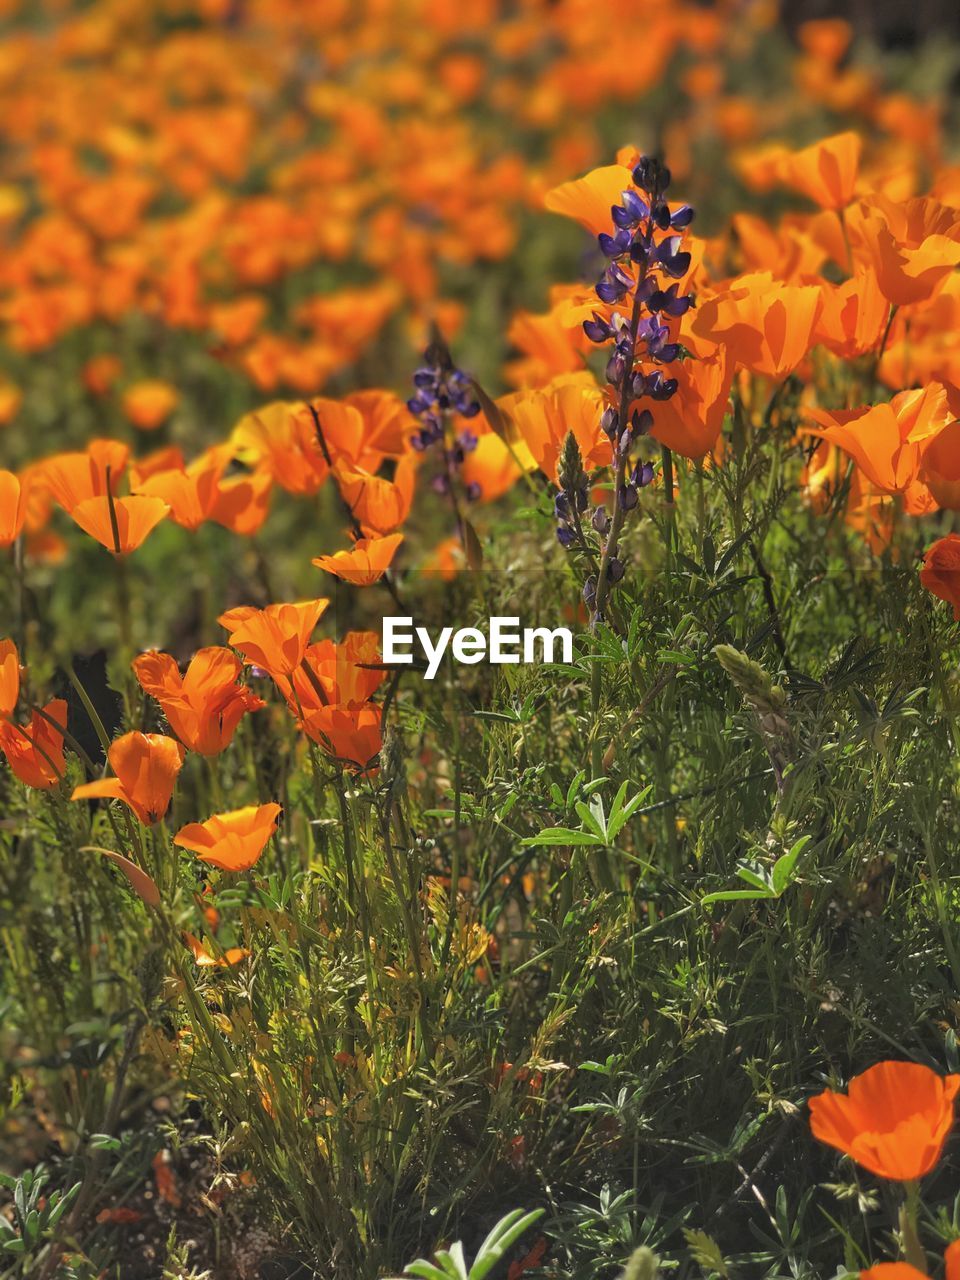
{"points": [[451, 1264]]}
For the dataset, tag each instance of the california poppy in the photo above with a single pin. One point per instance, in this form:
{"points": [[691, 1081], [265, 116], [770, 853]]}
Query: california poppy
{"points": [[768, 327], [120, 524], [347, 673], [74, 477], [191, 492], [941, 570], [825, 171], [380, 506], [913, 246], [34, 753], [588, 199], [149, 403], [365, 563], [893, 1120], [349, 734], [543, 416], [146, 767], [205, 958], [904, 1271], [690, 422], [205, 705], [231, 841], [13, 507], [887, 441], [276, 637]]}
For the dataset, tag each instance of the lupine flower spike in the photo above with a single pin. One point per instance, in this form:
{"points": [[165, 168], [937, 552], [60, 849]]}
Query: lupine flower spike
{"points": [[443, 395], [641, 292]]}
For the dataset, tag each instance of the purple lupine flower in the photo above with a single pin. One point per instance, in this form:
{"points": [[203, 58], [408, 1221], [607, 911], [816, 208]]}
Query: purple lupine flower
{"points": [[645, 259], [442, 390]]}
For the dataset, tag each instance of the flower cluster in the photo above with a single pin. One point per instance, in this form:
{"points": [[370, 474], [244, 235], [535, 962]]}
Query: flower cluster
{"points": [[443, 390], [644, 252]]}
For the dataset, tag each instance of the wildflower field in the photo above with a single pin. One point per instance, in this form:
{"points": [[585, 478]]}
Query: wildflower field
{"points": [[479, 648]]}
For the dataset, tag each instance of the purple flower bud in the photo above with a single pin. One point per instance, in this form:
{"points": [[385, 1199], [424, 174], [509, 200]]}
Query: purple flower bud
{"points": [[473, 491], [642, 475], [467, 441], [615, 570], [590, 591], [642, 421], [440, 484], [608, 421], [601, 521], [627, 497], [565, 535]]}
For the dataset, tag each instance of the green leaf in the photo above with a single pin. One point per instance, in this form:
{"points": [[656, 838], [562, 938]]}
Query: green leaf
{"points": [[735, 895], [561, 835], [784, 866], [503, 1237]]}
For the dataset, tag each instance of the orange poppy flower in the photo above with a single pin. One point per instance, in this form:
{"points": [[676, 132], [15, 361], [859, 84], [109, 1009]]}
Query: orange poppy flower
{"points": [[14, 494], [9, 678], [491, 468], [205, 705], [588, 199], [542, 418], [146, 767], [35, 754], [380, 506], [100, 373], [243, 502], [74, 477], [231, 841], [912, 247], [136, 517], [893, 1120], [887, 441], [274, 638], [148, 403], [348, 734], [826, 171], [940, 468], [690, 422], [284, 442], [348, 673], [767, 327], [365, 563], [854, 316], [904, 1271], [941, 571], [191, 492], [205, 958]]}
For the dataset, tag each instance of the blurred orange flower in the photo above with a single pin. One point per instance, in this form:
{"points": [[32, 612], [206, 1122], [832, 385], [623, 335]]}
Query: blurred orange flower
{"points": [[14, 493], [893, 1120], [941, 571], [825, 172], [148, 403]]}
